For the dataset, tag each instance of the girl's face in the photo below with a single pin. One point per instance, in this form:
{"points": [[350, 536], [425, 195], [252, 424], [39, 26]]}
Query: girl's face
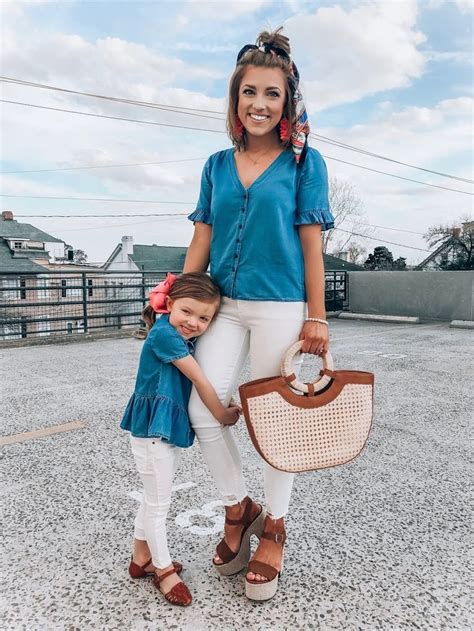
{"points": [[262, 96], [190, 317]]}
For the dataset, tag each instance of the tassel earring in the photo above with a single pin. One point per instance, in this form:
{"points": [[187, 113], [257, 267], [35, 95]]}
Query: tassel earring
{"points": [[284, 130], [238, 128]]}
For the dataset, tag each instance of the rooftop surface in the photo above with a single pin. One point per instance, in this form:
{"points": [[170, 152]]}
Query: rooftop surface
{"points": [[380, 543]]}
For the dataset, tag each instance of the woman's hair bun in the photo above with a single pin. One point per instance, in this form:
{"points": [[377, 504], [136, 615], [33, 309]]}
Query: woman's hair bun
{"points": [[275, 38]]}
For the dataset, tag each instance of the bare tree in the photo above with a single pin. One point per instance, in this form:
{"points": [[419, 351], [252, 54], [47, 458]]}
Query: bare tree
{"points": [[346, 207], [356, 253], [459, 240]]}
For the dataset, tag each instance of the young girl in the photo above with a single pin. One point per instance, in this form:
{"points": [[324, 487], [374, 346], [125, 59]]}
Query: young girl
{"points": [[261, 210], [157, 418]]}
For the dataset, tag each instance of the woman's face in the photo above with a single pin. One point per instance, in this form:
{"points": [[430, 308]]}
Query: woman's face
{"points": [[262, 96]]}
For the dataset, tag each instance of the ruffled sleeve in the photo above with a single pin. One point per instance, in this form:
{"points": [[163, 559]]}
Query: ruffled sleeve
{"points": [[166, 342], [313, 193], [203, 207]]}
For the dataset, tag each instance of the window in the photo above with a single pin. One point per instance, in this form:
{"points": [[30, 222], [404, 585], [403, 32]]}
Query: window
{"points": [[23, 289], [110, 289], [14, 294], [42, 289], [18, 245], [67, 290], [89, 287], [10, 331], [44, 328], [69, 328]]}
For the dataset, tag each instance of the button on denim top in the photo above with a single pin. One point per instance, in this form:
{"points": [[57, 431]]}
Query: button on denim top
{"points": [[159, 406], [256, 252]]}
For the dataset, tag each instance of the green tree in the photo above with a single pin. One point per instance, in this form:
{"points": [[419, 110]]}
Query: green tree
{"points": [[381, 259]]}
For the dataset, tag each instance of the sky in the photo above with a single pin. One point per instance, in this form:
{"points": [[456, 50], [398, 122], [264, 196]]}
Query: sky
{"points": [[391, 77]]}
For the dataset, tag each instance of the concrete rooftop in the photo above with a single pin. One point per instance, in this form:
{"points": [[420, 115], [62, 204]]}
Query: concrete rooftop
{"points": [[381, 543]]}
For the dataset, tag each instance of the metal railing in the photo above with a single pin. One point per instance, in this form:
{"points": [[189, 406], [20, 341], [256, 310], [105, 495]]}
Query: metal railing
{"points": [[66, 302]]}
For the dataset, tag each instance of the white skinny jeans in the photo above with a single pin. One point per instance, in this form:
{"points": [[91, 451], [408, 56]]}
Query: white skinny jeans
{"points": [[266, 329], [156, 462]]}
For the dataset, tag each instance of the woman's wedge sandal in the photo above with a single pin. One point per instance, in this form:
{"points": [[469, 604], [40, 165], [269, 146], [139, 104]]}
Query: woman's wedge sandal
{"points": [[178, 595], [264, 590], [138, 571], [234, 562]]}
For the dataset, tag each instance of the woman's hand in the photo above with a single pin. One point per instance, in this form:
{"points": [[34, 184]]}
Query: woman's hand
{"points": [[315, 338]]}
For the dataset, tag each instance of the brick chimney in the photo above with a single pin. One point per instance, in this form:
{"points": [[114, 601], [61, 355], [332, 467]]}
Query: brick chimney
{"points": [[7, 215]]}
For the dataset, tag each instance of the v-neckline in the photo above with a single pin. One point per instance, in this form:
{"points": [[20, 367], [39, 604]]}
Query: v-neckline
{"points": [[260, 177]]}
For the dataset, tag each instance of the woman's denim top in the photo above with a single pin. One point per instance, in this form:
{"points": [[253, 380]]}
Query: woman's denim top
{"points": [[256, 252]]}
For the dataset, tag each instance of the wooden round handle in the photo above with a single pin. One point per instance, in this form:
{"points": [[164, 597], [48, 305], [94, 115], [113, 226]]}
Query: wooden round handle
{"points": [[287, 369]]}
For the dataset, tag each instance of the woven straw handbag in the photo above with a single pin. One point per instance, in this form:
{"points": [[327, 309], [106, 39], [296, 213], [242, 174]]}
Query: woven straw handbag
{"points": [[306, 426]]}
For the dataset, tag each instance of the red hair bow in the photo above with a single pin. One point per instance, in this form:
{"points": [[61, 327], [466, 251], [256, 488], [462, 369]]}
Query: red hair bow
{"points": [[158, 294]]}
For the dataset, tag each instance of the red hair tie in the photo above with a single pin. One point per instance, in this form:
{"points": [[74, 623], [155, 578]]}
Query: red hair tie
{"points": [[159, 293]]}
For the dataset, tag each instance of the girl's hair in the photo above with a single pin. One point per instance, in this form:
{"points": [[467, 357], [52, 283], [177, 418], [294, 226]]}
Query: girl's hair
{"points": [[197, 285], [266, 60]]}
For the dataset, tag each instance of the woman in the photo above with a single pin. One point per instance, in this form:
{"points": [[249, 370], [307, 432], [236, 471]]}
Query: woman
{"points": [[258, 222]]}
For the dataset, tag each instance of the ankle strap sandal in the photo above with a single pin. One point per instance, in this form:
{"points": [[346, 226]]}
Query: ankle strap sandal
{"points": [[139, 571], [234, 562], [179, 594], [264, 590]]}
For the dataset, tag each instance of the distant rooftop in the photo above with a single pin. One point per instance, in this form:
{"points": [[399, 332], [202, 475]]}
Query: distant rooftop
{"points": [[11, 228]]}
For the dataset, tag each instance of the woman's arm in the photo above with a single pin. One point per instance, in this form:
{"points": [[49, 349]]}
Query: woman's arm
{"points": [[197, 257], [191, 369], [315, 336]]}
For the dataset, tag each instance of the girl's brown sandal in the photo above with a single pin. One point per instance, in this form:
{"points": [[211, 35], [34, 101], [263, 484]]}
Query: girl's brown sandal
{"points": [[138, 571], [234, 562], [264, 590], [178, 595]]}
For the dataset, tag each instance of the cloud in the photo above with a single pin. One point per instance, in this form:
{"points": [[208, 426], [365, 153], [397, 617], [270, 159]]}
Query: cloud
{"points": [[464, 6], [344, 55], [457, 56], [221, 11]]}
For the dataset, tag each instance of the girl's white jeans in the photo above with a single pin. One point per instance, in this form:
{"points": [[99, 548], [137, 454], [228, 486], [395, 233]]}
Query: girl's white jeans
{"points": [[156, 462], [265, 330]]}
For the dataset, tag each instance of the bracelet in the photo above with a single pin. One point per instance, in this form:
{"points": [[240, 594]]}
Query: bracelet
{"points": [[317, 320]]}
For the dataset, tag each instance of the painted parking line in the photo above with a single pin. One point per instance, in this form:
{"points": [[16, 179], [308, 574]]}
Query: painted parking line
{"points": [[41, 433], [209, 521]]}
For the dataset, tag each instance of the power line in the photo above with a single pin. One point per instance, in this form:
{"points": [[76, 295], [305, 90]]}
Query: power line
{"points": [[104, 166], [359, 166], [100, 216], [343, 145], [198, 112], [149, 104], [401, 245], [373, 225], [118, 118], [99, 199], [108, 215], [399, 177]]}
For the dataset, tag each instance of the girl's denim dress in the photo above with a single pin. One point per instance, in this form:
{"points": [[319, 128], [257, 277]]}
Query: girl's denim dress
{"points": [[159, 406]]}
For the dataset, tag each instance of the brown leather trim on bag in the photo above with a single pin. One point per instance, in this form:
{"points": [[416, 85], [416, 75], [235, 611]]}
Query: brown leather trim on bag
{"points": [[366, 377], [290, 378], [278, 384]]}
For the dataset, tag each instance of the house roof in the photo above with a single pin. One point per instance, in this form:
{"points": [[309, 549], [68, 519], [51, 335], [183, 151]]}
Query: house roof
{"points": [[167, 258], [434, 254], [9, 263], [12, 229], [335, 264], [158, 257]]}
